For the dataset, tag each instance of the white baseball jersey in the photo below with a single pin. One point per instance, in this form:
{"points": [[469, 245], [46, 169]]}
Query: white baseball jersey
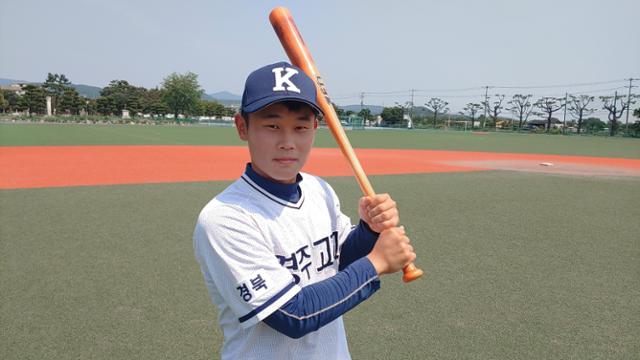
{"points": [[256, 251]]}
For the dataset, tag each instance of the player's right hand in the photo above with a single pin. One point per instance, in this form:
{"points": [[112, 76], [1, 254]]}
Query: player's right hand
{"points": [[392, 251]]}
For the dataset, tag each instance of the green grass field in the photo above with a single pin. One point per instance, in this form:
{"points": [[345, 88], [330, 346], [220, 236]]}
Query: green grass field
{"points": [[519, 265]]}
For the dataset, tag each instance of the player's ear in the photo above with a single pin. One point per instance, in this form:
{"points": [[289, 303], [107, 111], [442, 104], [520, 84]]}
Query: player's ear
{"points": [[315, 122], [241, 126]]}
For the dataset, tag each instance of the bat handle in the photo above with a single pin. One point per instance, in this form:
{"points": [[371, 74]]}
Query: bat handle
{"points": [[410, 273]]}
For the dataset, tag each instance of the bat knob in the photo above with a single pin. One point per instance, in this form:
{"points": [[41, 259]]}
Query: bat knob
{"points": [[411, 272]]}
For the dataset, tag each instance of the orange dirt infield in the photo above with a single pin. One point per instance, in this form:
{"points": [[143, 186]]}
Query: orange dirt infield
{"points": [[55, 166]]}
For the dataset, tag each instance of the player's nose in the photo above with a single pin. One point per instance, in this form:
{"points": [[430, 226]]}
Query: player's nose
{"points": [[286, 141]]}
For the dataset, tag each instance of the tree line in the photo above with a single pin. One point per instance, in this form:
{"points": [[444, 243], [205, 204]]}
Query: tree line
{"points": [[489, 113], [179, 94]]}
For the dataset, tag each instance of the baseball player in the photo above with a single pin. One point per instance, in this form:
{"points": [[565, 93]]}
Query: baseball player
{"points": [[280, 260]]}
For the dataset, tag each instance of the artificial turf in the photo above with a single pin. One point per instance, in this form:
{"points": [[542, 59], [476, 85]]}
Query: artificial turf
{"points": [[517, 266], [74, 134]]}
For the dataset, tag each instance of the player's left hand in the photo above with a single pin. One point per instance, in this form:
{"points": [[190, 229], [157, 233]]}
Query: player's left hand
{"points": [[379, 212]]}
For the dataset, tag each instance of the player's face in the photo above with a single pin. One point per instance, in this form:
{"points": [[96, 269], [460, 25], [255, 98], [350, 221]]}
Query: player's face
{"points": [[279, 140]]}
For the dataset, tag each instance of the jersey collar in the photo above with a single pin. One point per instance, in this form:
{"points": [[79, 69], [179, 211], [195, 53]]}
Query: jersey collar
{"points": [[287, 192]]}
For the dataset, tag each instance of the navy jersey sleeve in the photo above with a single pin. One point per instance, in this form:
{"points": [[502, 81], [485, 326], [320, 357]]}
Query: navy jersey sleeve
{"points": [[359, 243], [319, 304]]}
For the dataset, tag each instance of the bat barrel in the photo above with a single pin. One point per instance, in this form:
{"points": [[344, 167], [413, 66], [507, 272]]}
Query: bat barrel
{"points": [[298, 53]]}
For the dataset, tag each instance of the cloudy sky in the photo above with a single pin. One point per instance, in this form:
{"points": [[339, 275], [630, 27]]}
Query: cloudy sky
{"points": [[440, 48]]}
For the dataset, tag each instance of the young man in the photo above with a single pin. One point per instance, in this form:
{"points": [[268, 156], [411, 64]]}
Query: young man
{"points": [[280, 260]]}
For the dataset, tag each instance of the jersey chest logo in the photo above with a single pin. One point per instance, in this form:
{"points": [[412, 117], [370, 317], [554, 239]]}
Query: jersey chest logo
{"points": [[308, 260]]}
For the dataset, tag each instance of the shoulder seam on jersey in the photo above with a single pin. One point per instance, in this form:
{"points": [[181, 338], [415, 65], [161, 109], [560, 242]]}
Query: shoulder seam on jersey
{"points": [[331, 306]]}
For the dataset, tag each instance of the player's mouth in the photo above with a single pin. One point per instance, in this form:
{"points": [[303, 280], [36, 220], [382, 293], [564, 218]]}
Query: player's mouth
{"points": [[285, 160]]}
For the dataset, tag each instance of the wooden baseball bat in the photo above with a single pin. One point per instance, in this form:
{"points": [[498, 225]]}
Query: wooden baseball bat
{"points": [[299, 54]]}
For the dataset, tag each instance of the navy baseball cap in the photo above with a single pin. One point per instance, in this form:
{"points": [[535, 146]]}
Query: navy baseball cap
{"points": [[278, 82]]}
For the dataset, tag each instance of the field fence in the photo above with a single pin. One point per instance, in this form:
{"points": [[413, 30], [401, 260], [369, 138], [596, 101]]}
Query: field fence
{"points": [[350, 123]]}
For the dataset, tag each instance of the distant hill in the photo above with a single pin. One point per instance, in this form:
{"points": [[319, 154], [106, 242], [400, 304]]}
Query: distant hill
{"points": [[92, 92], [375, 109], [6, 82], [421, 111], [224, 97]]}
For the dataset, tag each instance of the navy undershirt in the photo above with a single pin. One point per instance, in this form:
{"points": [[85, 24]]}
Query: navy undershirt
{"points": [[328, 299], [286, 192]]}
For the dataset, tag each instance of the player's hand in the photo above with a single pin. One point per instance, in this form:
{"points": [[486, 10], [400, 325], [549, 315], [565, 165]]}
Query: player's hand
{"points": [[392, 251], [379, 212]]}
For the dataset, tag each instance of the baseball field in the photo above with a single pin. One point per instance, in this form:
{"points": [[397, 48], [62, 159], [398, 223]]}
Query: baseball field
{"points": [[530, 243]]}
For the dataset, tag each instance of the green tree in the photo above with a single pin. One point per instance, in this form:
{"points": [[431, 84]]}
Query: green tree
{"points": [[635, 126], [212, 108], [521, 106], [494, 108], [105, 105], [616, 106], [438, 106], [593, 125], [337, 109], [472, 109], [90, 106], [549, 105], [55, 85], [153, 102], [34, 100], [182, 93], [634, 129], [229, 111], [579, 106], [119, 95], [365, 113], [482, 120], [4, 104], [71, 102], [11, 100], [206, 108], [392, 116]]}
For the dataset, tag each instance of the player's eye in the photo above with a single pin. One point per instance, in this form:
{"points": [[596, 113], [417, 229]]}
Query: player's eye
{"points": [[271, 126]]}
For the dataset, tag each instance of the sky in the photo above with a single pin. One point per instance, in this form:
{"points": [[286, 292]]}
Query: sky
{"points": [[440, 48]]}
